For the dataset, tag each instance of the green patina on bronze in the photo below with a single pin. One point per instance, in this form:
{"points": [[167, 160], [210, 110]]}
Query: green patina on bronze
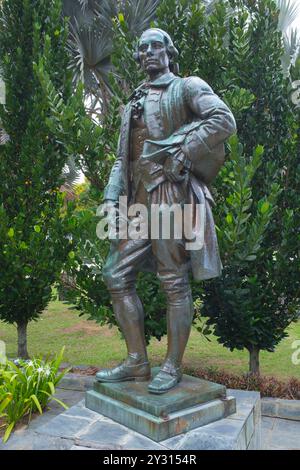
{"points": [[192, 404], [191, 391], [171, 146]]}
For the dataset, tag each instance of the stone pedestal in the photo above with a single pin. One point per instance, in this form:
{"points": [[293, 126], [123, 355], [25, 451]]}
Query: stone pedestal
{"points": [[191, 404]]}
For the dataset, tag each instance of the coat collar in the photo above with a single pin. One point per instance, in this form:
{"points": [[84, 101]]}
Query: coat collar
{"points": [[162, 82]]}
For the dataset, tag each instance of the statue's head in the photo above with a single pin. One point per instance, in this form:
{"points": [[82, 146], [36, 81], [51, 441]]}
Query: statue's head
{"points": [[156, 51]]}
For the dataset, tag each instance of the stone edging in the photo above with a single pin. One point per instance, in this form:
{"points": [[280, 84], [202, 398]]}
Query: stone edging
{"points": [[272, 407], [279, 408]]}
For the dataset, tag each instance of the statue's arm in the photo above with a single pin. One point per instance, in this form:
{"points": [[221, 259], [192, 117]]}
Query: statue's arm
{"points": [[115, 185], [217, 121]]}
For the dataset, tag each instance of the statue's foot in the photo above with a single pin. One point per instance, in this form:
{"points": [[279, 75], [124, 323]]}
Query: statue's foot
{"points": [[165, 380], [125, 372]]}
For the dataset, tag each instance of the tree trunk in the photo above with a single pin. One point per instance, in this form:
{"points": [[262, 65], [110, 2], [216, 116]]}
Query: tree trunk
{"points": [[254, 360], [22, 340]]}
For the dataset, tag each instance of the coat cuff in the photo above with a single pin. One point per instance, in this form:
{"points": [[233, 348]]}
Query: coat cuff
{"points": [[112, 192], [182, 158]]}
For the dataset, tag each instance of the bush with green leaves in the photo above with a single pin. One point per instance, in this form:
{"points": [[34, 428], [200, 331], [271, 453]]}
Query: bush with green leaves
{"points": [[34, 242], [27, 387]]}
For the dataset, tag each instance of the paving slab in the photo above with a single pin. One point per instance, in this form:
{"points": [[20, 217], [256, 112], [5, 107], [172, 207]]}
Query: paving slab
{"points": [[29, 440], [285, 435]]}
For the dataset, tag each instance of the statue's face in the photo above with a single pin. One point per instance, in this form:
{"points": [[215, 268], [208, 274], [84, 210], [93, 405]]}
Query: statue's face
{"points": [[153, 52]]}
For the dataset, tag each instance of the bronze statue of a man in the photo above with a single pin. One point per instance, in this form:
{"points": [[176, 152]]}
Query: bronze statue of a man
{"points": [[171, 146]]}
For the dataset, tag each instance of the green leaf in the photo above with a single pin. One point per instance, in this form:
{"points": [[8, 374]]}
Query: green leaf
{"points": [[8, 431], [37, 228], [259, 150], [23, 246], [52, 388], [71, 255], [265, 207], [5, 403], [36, 401], [11, 233], [250, 258], [60, 403], [229, 219]]}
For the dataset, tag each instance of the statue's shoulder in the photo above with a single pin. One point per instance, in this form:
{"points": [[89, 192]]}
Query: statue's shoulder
{"points": [[194, 85]]}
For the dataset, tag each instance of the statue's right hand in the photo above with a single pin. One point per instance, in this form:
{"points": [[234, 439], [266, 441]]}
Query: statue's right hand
{"points": [[108, 209], [113, 213], [109, 205]]}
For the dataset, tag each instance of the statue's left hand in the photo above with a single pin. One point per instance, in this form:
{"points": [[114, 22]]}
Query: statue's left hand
{"points": [[173, 169]]}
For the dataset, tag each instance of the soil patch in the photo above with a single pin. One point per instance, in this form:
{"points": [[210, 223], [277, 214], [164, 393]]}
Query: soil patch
{"points": [[88, 329]]}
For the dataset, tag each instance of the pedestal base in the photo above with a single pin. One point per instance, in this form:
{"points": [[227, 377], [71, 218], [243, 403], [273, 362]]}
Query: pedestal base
{"points": [[191, 404]]}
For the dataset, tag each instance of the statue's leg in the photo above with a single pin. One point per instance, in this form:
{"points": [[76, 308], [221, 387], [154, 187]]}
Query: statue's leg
{"points": [[129, 313], [173, 266], [119, 274], [180, 313]]}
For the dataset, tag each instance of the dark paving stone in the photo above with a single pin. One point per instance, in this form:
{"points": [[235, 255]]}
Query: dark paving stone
{"points": [[77, 382], [104, 432], [28, 440], [78, 411], [69, 397], [200, 441], [81, 448], [64, 426], [136, 441]]}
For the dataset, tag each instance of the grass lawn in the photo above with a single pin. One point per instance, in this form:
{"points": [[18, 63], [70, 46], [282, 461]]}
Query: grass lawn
{"points": [[87, 343]]}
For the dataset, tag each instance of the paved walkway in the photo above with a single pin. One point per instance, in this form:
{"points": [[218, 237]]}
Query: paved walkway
{"points": [[277, 433], [280, 434]]}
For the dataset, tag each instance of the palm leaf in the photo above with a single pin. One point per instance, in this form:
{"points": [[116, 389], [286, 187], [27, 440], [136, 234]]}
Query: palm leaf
{"points": [[4, 137], [289, 12], [71, 173], [291, 43], [139, 14], [90, 50]]}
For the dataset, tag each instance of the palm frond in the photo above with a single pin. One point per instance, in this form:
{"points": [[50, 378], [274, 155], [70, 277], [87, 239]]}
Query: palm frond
{"points": [[292, 44], [90, 50], [106, 10], [139, 14], [71, 173], [80, 10], [4, 137], [289, 12]]}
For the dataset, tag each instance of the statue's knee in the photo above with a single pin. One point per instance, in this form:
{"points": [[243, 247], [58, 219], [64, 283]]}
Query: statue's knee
{"points": [[176, 289], [117, 283], [107, 276]]}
